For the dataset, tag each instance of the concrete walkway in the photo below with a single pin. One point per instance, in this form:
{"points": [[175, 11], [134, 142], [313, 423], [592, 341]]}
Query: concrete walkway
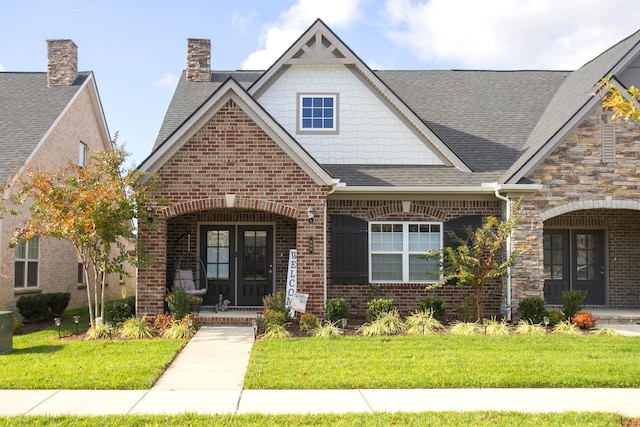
{"points": [[207, 377]]}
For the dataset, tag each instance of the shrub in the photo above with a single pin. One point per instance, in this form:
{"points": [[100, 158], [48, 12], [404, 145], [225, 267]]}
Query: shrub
{"points": [[436, 305], [276, 331], [422, 323], [135, 328], [57, 303], [566, 328], [584, 320], [180, 329], [555, 316], [178, 302], [606, 332], [572, 302], [528, 328], [378, 306], [32, 307], [337, 308], [98, 332], [309, 322], [17, 325], [273, 318], [495, 327], [387, 323], [327, 330], [131, 302], [162, 321], [276, 302], [464, 328], [118, 311], [532, 309]]}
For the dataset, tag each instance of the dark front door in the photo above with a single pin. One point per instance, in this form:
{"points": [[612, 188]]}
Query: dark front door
{"points": [[239, 263], [574, 260]]}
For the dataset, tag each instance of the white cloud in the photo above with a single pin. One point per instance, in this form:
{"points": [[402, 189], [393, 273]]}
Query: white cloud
{"points": [[1, 67], [277, 37], [242, 19], [509, 34], [168, 80]]}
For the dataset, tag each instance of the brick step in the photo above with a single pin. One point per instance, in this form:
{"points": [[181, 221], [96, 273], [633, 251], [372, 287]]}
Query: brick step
{"points": [[233, 316]]}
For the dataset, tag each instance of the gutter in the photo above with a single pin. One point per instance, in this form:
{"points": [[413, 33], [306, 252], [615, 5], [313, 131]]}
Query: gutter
{"points": [[341, 188]]}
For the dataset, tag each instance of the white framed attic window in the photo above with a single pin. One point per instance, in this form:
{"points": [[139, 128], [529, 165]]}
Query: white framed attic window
{"points": [[317, 112]]}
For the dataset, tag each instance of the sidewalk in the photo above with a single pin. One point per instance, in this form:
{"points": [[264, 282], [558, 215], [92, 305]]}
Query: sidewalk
{"points": [[207, 377]]}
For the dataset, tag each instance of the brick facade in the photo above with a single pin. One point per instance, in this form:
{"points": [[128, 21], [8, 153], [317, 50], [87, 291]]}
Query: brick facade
{"points": [[407, 296], [58, 261], [581, 189], [230, 171]]}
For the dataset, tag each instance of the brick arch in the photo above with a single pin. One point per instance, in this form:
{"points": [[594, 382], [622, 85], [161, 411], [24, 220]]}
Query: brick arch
{"points": [[221, 203], [589, 204], [396, 207]]}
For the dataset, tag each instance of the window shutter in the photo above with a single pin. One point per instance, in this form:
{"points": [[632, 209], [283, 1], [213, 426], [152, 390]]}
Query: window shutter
{"points": [[608, 143], [459, 227], [349, 250]]}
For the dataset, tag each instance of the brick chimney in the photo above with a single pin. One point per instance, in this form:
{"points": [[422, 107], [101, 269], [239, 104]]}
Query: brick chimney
{"points": [[62, 67], [198, 60]]}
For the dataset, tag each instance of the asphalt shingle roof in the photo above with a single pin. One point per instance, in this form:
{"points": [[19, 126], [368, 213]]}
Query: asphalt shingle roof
{"points": [[493, 120], [28, 108]]}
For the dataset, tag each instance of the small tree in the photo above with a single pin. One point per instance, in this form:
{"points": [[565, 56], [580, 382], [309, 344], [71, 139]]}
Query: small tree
{"points": [[479, 258], [623, 103], [93, 207]]}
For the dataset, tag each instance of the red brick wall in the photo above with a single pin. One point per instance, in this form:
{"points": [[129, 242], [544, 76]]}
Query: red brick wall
{"points": [[407, 296], [232, 155]]}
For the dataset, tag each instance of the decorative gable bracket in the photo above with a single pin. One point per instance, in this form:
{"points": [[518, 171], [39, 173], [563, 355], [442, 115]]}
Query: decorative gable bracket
{"points": [[319, 50]]}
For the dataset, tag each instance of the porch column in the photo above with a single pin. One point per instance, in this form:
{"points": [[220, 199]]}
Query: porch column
{"points": [[152, 277], [527, 275], [310, 258]]}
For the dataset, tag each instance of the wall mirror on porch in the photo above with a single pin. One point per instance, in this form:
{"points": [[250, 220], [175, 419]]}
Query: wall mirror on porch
{"points": [[575, 260], [238, 261]]}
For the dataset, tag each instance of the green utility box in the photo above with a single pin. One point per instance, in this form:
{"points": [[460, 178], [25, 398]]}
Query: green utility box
{"points": [[6, 331]]}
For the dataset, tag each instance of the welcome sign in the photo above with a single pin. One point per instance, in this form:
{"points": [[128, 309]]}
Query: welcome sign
{"points": [[292, 281]]}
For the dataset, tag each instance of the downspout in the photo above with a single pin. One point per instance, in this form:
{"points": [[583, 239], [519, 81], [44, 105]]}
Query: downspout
{"points": [[332, 188], [507, 302]]}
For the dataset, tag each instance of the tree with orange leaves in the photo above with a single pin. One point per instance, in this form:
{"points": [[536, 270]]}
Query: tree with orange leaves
{"points": [[93, 207]]}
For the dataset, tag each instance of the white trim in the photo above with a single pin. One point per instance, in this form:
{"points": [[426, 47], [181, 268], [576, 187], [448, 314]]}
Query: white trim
{"points": [[405, 253], [481, 189], [230, 90]]}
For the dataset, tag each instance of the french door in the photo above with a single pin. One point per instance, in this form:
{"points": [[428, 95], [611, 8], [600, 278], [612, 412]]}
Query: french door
{"points": [[575, 260], [239, 262]]}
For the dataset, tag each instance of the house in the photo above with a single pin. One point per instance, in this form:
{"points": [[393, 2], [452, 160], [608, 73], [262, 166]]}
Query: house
{"points": [[361, 171], [47, 120]]}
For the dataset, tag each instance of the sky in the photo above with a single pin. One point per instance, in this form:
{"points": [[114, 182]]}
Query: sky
{"points": [[137, 48]]}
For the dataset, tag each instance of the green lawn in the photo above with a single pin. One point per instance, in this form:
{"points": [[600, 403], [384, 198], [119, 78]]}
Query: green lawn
{"points": [[42, 361], [507, 419], [445, 361]]}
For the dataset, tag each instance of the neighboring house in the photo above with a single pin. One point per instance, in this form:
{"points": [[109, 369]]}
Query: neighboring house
{"points": [[48, 121], [391, 162]]}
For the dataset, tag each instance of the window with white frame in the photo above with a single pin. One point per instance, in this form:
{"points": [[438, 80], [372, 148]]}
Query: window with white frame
{"points": [[397, 251], [26, 263], [82, 155], [318, 112]]}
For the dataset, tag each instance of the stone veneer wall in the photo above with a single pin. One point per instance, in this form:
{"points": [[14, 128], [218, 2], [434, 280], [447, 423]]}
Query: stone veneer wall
{"points": [[606, 194], [407, 296], [231, 155]]}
